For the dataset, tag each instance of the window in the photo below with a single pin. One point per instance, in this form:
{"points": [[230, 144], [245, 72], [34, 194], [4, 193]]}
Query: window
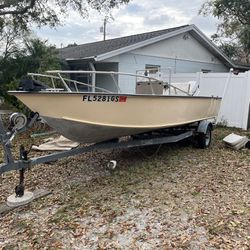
{"points": [[152, 69]]}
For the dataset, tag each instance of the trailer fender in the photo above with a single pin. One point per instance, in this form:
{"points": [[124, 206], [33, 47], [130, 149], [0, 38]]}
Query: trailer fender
{"points": [[203, 126]]}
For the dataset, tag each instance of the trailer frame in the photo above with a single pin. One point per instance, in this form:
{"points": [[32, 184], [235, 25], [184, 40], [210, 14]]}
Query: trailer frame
{"points": [[20, 123]]}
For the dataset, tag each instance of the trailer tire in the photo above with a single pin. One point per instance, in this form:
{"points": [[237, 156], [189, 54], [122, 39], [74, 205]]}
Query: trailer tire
{"points": [[204, 139]]}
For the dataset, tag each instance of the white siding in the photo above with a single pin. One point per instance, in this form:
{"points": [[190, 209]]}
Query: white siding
{"points": [[179, 48], [131, 63]]}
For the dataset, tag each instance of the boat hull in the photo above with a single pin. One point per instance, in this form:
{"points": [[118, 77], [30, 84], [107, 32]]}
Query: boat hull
{"points": [[93, 117]]}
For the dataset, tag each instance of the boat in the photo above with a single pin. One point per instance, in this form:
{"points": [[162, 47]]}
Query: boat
{"points": [[88, 113]]}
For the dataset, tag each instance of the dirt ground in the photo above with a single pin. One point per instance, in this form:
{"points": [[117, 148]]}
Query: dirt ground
{"points": [[167, 197]]}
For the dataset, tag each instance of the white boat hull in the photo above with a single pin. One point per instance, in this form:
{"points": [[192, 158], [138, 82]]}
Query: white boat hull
{"points": [[96, 117]]}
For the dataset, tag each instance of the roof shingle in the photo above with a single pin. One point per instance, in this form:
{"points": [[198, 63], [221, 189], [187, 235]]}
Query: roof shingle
{"points": [[98, 48]]}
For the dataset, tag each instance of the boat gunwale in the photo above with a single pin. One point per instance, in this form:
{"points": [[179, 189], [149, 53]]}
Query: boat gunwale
{"points": [[108, 94]]}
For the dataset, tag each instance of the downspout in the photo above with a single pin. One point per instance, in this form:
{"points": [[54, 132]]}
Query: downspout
{"points": [[92, 67]]}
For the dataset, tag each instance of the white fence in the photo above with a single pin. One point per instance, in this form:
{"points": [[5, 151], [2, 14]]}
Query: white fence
{"points": [[234, 111]]}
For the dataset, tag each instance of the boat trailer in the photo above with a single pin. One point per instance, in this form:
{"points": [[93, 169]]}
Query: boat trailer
{"points": [[19, 123]]}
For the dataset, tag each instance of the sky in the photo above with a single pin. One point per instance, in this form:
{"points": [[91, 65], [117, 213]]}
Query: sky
{"points": [[138, 16]]}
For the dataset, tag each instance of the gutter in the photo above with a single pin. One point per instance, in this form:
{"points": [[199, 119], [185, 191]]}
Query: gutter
{"points": [[80, 58]]}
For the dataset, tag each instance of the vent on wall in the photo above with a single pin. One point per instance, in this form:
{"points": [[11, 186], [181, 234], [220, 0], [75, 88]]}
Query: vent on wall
{"points": [[205, 70], [185, 37]]}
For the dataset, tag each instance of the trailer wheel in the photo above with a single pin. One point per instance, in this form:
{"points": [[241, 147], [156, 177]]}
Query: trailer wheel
{"points": [[204, 139]]}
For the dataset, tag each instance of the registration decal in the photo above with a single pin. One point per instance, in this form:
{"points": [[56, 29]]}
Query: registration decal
{"points": [[104, 98]]}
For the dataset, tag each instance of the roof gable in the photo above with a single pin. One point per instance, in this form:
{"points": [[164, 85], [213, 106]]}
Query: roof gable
{"points": [[102, 47]]}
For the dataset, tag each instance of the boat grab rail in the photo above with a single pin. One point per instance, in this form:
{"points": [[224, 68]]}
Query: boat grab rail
{"points": [[59, 72], [68, 80], [117, 73]]}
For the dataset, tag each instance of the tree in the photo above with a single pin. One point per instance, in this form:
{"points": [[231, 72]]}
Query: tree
{"points": [[71, 45], [235, 24], [34, 56], [231, 49], [18, 53], [10, 40], [45, 12]]}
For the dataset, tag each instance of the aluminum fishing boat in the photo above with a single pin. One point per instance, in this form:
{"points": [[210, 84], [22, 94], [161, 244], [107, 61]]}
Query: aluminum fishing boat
{"points": [[94, 112]]}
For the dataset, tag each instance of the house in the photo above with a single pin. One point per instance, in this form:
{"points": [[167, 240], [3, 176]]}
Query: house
{"points": [[183, 49]]}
